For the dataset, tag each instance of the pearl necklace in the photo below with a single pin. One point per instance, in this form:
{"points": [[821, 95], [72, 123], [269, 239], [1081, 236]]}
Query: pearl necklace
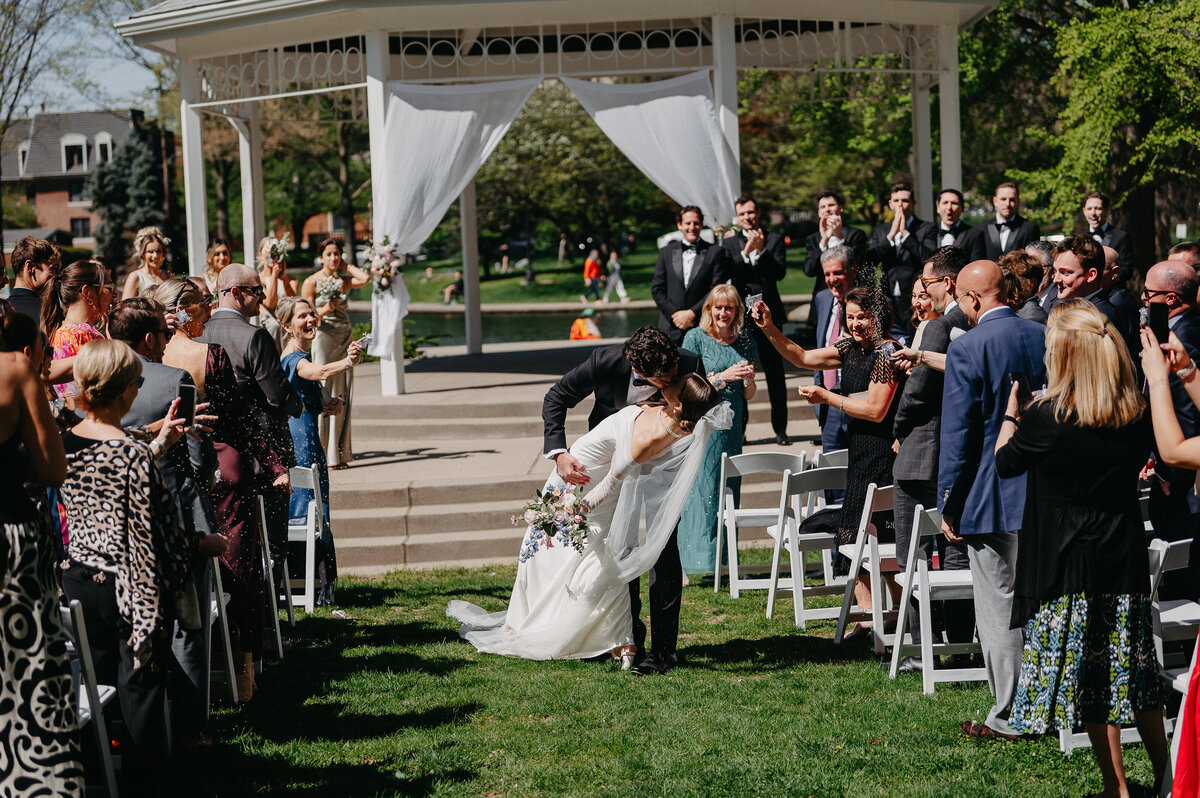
{"points": [[668, 430]]}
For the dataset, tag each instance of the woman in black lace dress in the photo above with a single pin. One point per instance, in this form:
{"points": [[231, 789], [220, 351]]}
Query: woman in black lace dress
{"points": [[870, 386]]}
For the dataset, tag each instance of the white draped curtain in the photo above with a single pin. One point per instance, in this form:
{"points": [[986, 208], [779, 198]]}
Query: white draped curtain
{"points": [[668, 129]]}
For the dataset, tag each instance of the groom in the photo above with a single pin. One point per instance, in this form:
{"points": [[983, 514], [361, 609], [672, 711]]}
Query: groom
{"points": [[621, 375]]}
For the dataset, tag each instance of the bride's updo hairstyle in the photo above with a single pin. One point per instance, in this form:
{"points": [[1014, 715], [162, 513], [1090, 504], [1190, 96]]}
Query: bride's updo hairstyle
{"points": [[651, 352], [698, 396]]}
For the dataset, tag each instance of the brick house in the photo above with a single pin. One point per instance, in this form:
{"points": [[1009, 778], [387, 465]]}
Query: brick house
{"points": [[53, 154]]}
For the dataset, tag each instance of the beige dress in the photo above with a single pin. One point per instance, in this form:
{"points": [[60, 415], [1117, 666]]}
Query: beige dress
{"points": [[334, 336]]}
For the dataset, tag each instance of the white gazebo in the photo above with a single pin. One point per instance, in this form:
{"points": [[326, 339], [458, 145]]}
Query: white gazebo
{"points": [[440, 82]]}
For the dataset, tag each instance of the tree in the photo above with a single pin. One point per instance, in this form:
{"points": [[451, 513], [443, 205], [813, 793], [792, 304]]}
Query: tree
{"points": [[127, 192], [27, 37]]}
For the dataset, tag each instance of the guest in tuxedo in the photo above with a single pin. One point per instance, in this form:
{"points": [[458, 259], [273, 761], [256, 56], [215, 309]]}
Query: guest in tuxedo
{"points": [[832, 231], [917, 425], [756, 261], [618, 376], [1008, 231], [950, 228], [255, 361], [978, 507], [839, 264], [900, 247], [141, 323], [1174, 508], [1096, 208], [684, 274], [1118, 295], [32, 260], [1078, 266]]}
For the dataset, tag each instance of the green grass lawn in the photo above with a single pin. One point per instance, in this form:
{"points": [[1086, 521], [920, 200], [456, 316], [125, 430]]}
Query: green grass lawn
{"points": [[565, 285], [391, 702]]}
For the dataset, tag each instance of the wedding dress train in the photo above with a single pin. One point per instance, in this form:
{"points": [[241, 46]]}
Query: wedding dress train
{"points": [[568, 605]]}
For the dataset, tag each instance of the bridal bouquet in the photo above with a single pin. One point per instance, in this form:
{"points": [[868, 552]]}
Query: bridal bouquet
{"points": [[720, 231], [329, 289], [554, 514], [278, 248], [385, 264]]}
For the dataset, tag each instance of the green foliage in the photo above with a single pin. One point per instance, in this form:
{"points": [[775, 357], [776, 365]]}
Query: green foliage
{"points": [[414, 345], [127, 192], [19, 212]]}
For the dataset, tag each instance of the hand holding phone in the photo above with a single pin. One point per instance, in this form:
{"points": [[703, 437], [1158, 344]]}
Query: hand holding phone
{"points": [[1159, 321], [1024, 391], [187, 404]]}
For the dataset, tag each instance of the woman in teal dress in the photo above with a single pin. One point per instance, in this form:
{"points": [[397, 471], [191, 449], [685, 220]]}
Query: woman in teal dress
{"points": [[728, 353], [299, 320]]}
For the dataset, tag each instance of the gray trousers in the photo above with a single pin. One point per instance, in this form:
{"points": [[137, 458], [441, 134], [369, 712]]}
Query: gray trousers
{"points": [[993, 570]]}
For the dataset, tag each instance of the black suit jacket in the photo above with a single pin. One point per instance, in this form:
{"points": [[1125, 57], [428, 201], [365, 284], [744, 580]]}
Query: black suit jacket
{"points": [[982, 242], [960, 230], [852, 237], [667, 286], [605, 374], [761, 277], [1187, 329], [27, 303], [1120, 241], [919, 415], [260, 376], [1125, 319], [901, 267]]}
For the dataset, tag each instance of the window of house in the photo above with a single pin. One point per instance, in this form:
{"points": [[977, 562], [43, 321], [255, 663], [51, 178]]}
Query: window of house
{"points": [[22, 156], [81, 228], [104, 147], [77, 191], [74, 152]]}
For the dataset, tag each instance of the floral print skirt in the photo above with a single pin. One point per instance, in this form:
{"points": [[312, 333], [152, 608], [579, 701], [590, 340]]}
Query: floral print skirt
{"points": [[1087, 659]]}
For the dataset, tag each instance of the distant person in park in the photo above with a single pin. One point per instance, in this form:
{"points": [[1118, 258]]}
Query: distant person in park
{"points": [[592, 275], [1009, 230], [728, 351], [1096, 210], [217, 257], [614, 279], [757, 261], [334, 335], [574, 601], [32, 260], [950, 226], [619, 376], [684, 274], [901, 247], [563, 246], [455, 289], [832, 231], [150, 246], [585, 328]]}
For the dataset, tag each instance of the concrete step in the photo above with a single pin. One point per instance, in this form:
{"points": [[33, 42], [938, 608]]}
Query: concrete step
{"points": [[402, 428]]}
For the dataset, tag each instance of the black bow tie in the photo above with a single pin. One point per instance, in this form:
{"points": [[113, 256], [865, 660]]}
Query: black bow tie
{"points": [[1002, 225], [689, 247], [640, 382], [1096, 231]]}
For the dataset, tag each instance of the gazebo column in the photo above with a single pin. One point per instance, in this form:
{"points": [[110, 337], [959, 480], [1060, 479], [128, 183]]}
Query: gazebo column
{"points": [[195, 199], [922, 160], [470, 253], [391, 368], [724, 51], [250, 153], [948, 106]]}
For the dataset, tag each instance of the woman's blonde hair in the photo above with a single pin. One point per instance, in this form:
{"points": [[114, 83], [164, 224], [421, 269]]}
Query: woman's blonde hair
{"points": [[286, 309], [729, 294], [104, 370], [1089, 371], [144, 238]]}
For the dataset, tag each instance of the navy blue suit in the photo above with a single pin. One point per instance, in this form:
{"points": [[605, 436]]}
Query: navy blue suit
{"points": [[975, 396], [832, 420]]}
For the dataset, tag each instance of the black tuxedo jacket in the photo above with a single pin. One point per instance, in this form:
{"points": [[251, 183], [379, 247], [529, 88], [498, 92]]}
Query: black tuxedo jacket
{"points": [[260, 376], [983, 240], [851, 236], [1120, 241], [960, 230], [761, 277], [902, 267], [667, 286], [605, 374]]}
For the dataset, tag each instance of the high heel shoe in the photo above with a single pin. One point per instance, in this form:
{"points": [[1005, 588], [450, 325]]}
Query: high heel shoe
{"points": [[627, 660]]}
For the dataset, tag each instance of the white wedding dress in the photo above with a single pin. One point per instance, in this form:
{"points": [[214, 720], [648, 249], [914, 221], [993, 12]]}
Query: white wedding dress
{"points": [[568, 605]]}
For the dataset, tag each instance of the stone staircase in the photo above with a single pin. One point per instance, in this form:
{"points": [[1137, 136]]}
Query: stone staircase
{"points": [[439, 474]]}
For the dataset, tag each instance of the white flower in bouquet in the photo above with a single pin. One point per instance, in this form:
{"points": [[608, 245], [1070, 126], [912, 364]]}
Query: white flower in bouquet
{"points": [[329, 289], [553, 518], [384, 264], [278, 248]]}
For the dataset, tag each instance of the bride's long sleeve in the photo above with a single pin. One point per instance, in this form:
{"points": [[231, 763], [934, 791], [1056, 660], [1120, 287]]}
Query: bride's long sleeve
{"points": [[622, 465]]}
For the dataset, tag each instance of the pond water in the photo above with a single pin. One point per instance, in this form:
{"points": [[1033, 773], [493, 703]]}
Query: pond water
{"points": [[449, 328]]}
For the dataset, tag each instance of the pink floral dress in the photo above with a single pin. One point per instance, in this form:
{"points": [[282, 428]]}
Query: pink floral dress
{"points": [[66, 341]]}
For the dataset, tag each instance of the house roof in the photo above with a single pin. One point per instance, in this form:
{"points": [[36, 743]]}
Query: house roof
{"points": [[45, 133]]}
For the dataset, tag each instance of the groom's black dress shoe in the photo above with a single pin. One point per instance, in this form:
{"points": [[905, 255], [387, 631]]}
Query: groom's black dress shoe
{"points": [[654, 664]]}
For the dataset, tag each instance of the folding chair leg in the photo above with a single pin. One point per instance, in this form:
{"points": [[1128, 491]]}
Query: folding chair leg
{"points": [[926, 614], [898, 645], [796, 556], [848, 595], [269, 576], [720, 539], [775, 562], [284, 568], [223, 623], [734, 574], [878, 599]]}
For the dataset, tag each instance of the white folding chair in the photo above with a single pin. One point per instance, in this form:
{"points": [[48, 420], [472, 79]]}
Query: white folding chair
{"points": [[1163, 557], [1175, 620], [870, 552], [92, 697], [838, 457], [307, 479], [1179, 680], [928, 586], [795, 497], [218, 609], [731, 518], [269, 576]]}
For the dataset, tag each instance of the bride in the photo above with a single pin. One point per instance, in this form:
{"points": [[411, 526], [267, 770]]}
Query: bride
{"points": [[568, 605]]}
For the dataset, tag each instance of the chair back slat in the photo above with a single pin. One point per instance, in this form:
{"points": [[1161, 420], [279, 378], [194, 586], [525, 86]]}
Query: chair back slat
{"points": [[741, 465], [838, 457]]}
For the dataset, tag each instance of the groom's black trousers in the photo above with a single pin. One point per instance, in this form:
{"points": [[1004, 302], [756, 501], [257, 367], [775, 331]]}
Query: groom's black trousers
{"points": [[666, 592]]}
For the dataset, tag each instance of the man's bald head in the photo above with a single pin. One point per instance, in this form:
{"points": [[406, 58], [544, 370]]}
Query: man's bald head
{"points": [[240, 289], [980, 288], [236, 274], [1173, 283], [1112, 268]]}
